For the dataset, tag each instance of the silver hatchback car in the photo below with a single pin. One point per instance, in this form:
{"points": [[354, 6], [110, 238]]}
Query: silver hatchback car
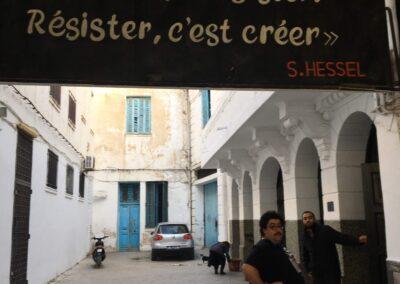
{"points": [[172, 239]]}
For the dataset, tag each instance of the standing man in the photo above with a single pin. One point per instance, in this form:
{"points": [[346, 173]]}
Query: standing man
{"points": [[268, 262], [319, 254]]}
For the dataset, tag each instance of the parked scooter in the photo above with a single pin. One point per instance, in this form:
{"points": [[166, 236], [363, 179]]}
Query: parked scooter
{"points": [[99, 253]]}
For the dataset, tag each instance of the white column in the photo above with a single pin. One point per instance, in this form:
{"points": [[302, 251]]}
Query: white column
{"points": [[290, 197], [389, 161], [229, 205], [256, 210], [222, 208]]}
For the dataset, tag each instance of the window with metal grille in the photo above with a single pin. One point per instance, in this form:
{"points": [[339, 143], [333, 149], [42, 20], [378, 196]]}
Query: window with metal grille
{"points": [[156, 203], [72, 110], [138, 115], [70, 180], [52, 166], [55, 93], [130, 193], [206, 106], [82, 185]]}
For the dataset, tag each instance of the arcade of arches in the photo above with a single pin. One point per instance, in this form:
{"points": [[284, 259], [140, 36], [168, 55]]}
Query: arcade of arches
{"points": [[343, 190]]}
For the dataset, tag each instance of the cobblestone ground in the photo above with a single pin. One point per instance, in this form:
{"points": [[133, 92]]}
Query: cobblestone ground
{"points": [[136, 267]]}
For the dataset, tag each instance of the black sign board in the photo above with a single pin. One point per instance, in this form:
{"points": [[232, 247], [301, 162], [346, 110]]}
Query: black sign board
{"points": [[323, 44]]}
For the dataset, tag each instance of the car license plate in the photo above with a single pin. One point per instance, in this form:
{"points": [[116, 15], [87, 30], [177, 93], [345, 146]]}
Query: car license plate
{"points": [[99, 250], [173, 247]]}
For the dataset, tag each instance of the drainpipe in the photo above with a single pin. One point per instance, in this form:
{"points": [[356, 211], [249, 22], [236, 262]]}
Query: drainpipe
{"points": [[189, 152]]}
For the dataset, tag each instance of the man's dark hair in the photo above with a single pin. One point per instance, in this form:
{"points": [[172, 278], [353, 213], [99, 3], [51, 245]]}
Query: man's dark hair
{"points": [[266, 217], [308, 212]]}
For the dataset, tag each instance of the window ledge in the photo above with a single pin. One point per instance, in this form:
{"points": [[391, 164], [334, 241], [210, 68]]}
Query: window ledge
{"points": [[51, 190], [54, 104], [138, 134], [69, 196]]}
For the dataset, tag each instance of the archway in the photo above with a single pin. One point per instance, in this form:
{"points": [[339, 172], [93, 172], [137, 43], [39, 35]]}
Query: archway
{"points": [[246, 223], [308, 179], [360, 196], [271, 188]]}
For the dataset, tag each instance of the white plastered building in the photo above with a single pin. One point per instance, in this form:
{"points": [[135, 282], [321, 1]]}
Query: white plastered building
{"points": [[45, 199]]}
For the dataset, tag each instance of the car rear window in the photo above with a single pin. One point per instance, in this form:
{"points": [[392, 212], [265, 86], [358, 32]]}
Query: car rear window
{"points": [[173, 229]]}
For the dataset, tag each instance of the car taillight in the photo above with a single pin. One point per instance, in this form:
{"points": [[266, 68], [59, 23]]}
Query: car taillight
{"points": [[157, 238], [187, 237]]}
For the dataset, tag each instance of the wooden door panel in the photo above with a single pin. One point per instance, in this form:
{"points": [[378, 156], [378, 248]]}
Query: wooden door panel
{"points": [[21, 215], [375, 220]]}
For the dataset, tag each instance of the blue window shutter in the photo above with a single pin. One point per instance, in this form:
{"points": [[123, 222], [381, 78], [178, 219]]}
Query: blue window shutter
{"points": [[156, 203], [150, 205], [144, 115], [165, 202], [129, 115], [147, 116], [206, 106], [138, 115]]}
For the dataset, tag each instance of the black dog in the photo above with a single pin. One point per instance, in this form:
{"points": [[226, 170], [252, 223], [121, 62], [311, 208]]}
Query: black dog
{"points": [[204, 258]]}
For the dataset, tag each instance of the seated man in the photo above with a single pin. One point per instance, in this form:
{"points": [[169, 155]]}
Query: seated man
{"points": [[218, 252]]}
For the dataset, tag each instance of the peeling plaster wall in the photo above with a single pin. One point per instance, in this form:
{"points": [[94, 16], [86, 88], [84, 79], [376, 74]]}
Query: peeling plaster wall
{"points": [[162, 155], [59, 224], [165, 148]]}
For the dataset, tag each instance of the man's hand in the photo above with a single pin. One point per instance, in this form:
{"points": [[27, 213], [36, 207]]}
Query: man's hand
{"points": [[363, 239], [251, 274]]}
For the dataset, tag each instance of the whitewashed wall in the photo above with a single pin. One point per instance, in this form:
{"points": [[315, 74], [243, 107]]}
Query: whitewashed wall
{"points": [[8, 147], [59, 224]]}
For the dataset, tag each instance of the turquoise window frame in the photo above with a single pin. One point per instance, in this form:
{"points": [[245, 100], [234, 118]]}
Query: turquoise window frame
{"points": [[206, 106], [138, 115]]}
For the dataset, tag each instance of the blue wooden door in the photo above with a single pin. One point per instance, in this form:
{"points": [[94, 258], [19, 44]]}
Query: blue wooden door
{"points": [[129, 217], [211, 214]]}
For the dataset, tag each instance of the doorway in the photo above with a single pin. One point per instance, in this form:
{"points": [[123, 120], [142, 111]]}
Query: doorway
{"points": [[210, 214], [359, 179], [374, 214], [22, 201], [129, 216]]}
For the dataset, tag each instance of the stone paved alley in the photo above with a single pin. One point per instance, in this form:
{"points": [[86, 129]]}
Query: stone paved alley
{"points": [[136, 267]]}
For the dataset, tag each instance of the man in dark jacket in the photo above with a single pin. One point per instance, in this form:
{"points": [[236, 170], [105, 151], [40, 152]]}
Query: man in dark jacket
{"points": [[268, 261], [218, 252], [319, 255]]}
